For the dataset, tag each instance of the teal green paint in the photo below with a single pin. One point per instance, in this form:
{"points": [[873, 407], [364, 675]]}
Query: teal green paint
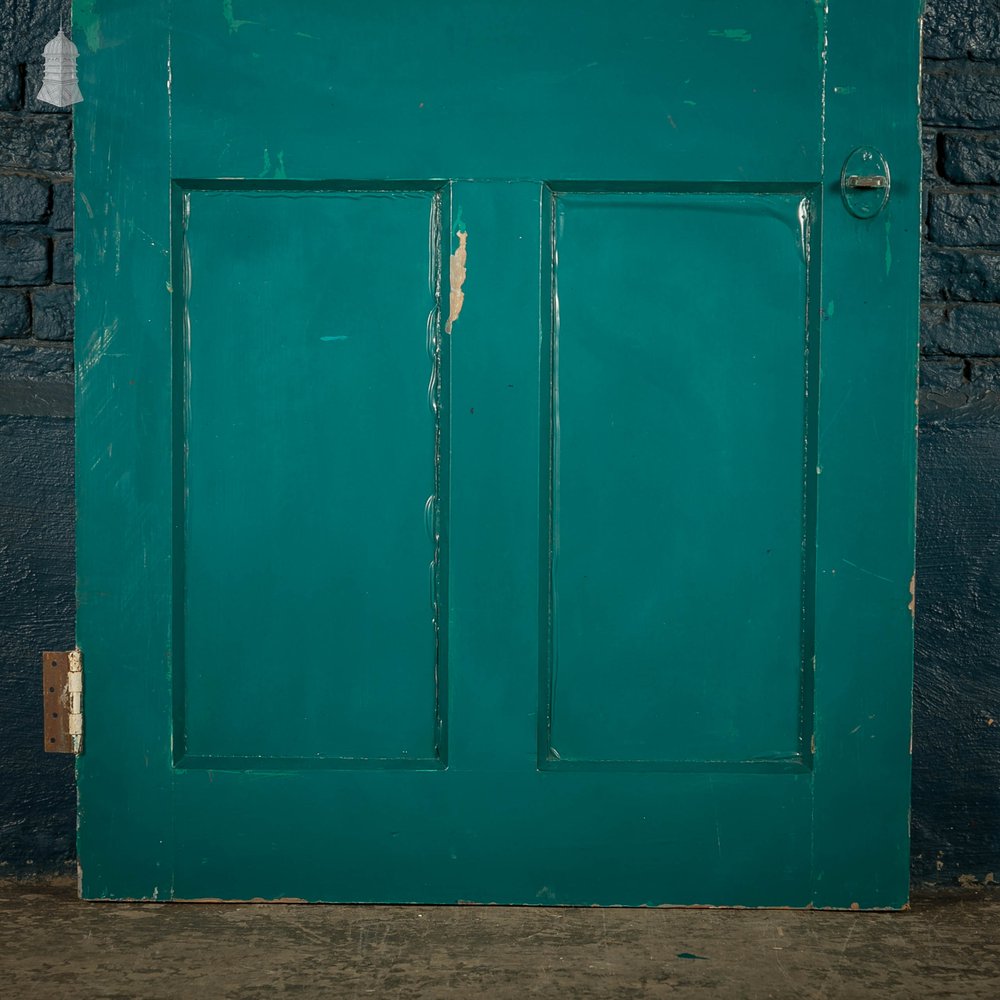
{"points": [[548, 133], [691, 103], [888, 248], [845, 90], [86, 18], [427, 618], [733, 34], [227, 13], [829, 309], [377, 484], [274, 171], [341, 337], [608, 247]]}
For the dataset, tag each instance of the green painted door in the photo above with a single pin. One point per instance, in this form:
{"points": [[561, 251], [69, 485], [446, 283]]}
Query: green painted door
{"points": [[496, 450]]}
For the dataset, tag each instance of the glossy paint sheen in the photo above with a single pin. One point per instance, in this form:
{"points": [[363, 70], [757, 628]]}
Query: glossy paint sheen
{"points": [[601, 597]]}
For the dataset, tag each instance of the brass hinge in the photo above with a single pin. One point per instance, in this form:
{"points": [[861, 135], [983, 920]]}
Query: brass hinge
{"points": [[62, 687]]}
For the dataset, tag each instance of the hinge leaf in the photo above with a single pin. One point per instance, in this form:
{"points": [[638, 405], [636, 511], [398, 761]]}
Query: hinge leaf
{"points": [[62, 699]]}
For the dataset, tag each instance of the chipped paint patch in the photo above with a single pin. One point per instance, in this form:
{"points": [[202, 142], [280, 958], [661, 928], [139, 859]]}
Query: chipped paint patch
{"points": [[456, 275], [732, 34], [912, 606], [822, 10], [74, 695], [805, 221]]}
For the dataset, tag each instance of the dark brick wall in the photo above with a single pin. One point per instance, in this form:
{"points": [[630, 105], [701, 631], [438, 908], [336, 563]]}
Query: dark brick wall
{"points": [[37, 798], [956, 786], [956, 744]]}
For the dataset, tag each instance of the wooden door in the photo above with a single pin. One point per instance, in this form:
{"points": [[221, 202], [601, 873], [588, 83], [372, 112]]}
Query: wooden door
{"points": [[496, 450]]}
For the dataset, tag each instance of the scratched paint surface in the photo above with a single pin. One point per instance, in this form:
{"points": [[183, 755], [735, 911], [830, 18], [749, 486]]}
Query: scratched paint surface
{"points": [[505, 101], [362, 550]]}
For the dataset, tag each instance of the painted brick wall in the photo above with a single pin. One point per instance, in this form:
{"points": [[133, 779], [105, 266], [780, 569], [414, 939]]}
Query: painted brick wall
{"points": [[956, 744], [956, 803], [37, 798]]}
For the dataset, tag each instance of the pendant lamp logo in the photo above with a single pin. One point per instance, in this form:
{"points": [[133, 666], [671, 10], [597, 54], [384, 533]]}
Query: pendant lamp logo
{"points": [[59, 86]]}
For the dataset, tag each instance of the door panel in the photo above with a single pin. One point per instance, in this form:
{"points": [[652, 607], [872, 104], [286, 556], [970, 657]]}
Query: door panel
{"points": [[489, 89], [307, 463], [482, 495], [680, 478]]}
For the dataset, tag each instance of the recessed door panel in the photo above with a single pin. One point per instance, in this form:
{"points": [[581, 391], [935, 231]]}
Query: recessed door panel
{"points": [[308, 418], [679, 493]]}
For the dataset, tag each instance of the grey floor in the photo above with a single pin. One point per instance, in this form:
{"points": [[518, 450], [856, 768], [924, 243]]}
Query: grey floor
{"points": [[52, 945]]}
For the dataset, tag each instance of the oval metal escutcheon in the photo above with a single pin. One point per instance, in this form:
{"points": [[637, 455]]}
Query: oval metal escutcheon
{"points": [[865, 182]]}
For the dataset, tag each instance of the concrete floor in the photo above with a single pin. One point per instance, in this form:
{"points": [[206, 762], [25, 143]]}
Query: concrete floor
{"points": [[52, 945]]}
